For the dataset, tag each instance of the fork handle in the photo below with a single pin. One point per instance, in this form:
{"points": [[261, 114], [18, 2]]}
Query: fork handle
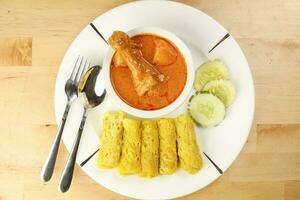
{"points": [[49, 164], [67, 175]]}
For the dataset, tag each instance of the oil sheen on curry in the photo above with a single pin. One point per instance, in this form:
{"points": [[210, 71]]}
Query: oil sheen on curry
{"points": [[147, 71]]}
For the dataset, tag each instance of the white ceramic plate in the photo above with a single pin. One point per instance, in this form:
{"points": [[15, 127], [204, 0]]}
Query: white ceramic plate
{"points": [[200, 33]]}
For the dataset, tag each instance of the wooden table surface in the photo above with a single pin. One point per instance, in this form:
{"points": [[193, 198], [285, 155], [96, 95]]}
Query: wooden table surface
{"points": [[34, 36]]}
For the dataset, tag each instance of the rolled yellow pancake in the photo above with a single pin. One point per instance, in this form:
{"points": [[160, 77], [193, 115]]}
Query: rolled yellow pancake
{"points": [[149, 150], [188, 150], [111, 140], [167, 146], [130, 162]]}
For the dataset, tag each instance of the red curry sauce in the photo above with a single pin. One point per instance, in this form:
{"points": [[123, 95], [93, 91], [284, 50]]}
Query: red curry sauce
{"points": [[169, 90]]}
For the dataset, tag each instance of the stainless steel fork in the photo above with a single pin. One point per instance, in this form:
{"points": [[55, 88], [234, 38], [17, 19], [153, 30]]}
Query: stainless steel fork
{"points": [[71, 90]]}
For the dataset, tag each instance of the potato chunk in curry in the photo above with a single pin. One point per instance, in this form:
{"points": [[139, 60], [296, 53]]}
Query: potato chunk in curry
{"points": [[164, 53]]}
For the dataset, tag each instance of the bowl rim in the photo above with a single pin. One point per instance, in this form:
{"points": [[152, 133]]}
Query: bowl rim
{"points": [[122, 105]]}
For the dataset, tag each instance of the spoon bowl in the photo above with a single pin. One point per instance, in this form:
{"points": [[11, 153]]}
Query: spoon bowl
{"points": [[87, 90]]}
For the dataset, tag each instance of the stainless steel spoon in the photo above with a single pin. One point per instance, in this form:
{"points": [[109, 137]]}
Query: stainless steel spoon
{"points": [[91, 97]]}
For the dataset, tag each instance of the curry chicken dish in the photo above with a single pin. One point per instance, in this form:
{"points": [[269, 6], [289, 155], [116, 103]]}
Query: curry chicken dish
{"points": [[147, 71]]}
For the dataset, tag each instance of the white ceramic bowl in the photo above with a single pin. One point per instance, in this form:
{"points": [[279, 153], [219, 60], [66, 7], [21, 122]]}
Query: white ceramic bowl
{"points": [[180, 99]]}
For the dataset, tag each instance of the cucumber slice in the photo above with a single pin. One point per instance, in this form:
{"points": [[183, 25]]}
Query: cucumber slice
{"points": [[206, 109], [223, 89], [209, 71]]}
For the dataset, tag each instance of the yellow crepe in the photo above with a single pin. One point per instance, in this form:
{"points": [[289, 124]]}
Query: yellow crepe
{"points": [[111, 140], [167, 146], [188, 150], [130, 162], [149, 151]]}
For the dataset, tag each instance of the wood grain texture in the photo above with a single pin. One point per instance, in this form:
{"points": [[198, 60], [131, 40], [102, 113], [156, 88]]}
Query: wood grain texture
{"points": [[278, 138], [34, 36], [15, 51], [291, 190]]}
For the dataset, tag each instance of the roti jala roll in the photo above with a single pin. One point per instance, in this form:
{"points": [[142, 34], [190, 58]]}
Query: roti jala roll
{"points": [[188, 151], [111, 140], [167, 146], [149, 150], [130, 162]]}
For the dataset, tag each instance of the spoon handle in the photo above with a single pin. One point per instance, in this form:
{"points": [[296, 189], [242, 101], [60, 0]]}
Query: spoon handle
{"points": [[67, 174], [49, 164]]}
